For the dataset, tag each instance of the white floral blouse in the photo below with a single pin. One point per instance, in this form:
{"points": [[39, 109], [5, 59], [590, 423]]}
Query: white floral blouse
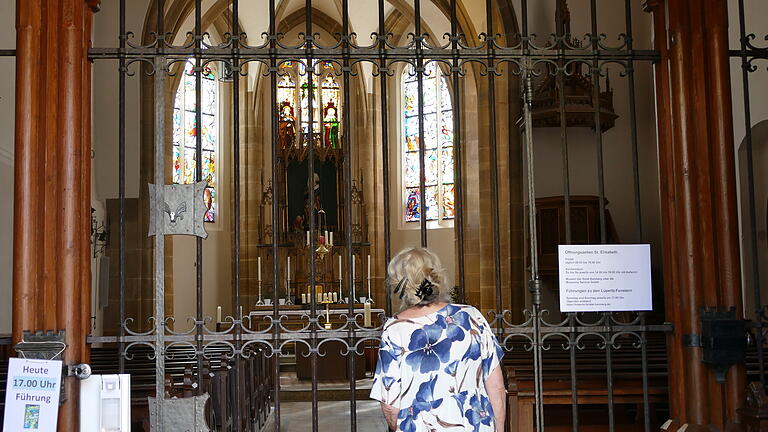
{"points": [[433, 369]]}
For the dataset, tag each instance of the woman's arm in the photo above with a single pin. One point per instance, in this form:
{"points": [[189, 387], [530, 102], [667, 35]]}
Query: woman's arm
{"points": [[390, 414], [494, 385]]}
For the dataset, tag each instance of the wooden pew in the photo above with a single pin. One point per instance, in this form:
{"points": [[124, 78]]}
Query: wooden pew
{"points": [[253, 385], [592, 387]]}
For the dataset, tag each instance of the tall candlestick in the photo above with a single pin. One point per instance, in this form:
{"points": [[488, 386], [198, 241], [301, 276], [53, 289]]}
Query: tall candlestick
{"points": [[259, 266], [353, 279]]}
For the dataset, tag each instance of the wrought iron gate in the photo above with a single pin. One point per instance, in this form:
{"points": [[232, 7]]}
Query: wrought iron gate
{"points": [[577, 360]]}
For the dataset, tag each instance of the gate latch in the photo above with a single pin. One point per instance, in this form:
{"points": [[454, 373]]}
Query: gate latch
{"points": [[723, 339]]}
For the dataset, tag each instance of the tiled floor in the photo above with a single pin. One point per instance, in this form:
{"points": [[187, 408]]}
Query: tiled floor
{"points": [[332, 416]]}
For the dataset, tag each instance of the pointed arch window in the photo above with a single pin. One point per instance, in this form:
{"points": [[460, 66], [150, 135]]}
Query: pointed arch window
{"points": [[293, 96], [185, 130], [438, 146]]}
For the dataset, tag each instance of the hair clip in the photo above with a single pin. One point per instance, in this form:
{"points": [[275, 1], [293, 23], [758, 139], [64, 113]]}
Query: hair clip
{"points": [[425, 289], [400, 286]]}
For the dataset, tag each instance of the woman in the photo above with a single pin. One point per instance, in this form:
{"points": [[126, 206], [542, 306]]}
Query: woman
{"points": [[438, 362]]}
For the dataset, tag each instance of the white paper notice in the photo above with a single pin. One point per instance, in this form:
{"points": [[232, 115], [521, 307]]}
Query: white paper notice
{"points": [[597, 278], [32, 395]]}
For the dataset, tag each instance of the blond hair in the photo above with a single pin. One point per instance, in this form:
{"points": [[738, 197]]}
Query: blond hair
{"points": [[411, 268]]}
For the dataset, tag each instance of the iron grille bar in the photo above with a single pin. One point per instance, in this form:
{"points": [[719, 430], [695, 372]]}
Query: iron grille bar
{"points": [[160, 65], [490, 46], [394, 54], [595, 75], [458, 161], [121, 187], [759, 310], [574, 379], [418, 39], [383, 79], [644, 366], [235, 71], [276, 165], [630, 72], [198, 41], [347, 165], [310, 71]]}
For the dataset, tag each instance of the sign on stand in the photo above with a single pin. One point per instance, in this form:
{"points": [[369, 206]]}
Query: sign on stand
{"points": [[604, 278], [32, 395]]}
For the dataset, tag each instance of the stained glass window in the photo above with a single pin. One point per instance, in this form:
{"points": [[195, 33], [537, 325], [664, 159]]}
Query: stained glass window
{"points": [[185, 132], [437, 122], [293, 95]]}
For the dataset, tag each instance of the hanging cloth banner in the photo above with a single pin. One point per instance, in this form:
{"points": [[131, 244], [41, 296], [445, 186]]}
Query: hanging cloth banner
{"points": [[32, 395]]}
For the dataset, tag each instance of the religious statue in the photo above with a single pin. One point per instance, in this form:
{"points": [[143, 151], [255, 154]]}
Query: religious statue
{"points": [[331, 126], [287, 128]]}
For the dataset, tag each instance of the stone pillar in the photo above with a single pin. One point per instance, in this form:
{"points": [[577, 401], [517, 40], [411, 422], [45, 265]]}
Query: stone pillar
{"points": [[51, 271], [698, 200]]}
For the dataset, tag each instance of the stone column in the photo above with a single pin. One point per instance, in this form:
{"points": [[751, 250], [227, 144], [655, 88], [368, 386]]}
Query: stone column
{"points": [[698, 200], [51, 273]]}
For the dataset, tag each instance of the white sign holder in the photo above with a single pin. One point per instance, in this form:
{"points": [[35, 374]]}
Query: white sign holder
{"points": [[32, 395], [605, 278]]}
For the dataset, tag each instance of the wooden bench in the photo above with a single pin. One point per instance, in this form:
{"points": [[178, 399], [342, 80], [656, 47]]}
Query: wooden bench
{"points": [[248, 392], [592, 387]]}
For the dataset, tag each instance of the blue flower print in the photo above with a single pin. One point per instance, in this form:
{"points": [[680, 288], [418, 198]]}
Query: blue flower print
{"points": [[473, 352], [451, 368], [387, 382], [488, 362], [455, 322], [480, 412], [388, 353], [428, 351], [424, 402]]}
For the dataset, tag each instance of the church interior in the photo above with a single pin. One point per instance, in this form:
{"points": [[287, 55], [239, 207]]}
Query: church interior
{"points": [[205, 194]]}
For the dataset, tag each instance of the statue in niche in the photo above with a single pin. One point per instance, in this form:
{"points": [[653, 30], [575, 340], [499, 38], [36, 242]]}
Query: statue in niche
{"points": [[287, 128], [324, 184], [331, 126]]}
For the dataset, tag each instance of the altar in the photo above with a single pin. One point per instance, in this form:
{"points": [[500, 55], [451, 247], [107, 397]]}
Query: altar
{"points": [[333, 364]]}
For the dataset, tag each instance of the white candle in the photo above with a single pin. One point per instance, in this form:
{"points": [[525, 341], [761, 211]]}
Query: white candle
{"points": [[218, 314], [288, 270], [339, 267], [259, 261], [367, 315], [241, 312], [335, 296], [326, 236], [303, 298], [330, 242], [369, 267], [307, 238]]}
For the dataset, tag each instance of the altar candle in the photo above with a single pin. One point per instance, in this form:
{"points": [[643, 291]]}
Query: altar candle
{"points": [[218, 314], [339, 267], [367, 315], [326, 236], [369, 267], [288, 270], [303, 298], [241, 312], [353, 279], [307, 238], [259, 266], [330, 242], [335, 296]]}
